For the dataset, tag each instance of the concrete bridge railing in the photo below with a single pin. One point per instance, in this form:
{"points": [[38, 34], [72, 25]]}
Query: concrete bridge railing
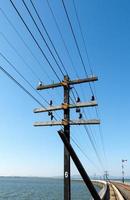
{"points": [[104, 190]]}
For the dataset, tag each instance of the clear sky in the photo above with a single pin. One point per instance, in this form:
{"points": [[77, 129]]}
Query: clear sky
{"points": [[29, 151]]}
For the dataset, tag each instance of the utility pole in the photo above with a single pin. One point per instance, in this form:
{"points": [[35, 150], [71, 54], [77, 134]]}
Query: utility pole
{"points": [[123, 173], [67, 179], [106, 175], [66, 122]]}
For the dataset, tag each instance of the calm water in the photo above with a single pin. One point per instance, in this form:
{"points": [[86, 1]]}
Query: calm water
{"points": [[39, 189]]}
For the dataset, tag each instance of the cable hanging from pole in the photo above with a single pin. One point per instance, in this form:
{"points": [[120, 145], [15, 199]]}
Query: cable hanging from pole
{"points": [[43, 25], [23, 41], [62, 38], [28, 93], [82, 36], [42, 36], [58, 28], [76, 43], [15, 69], [35, 40], [92, 141], [20, 56]]}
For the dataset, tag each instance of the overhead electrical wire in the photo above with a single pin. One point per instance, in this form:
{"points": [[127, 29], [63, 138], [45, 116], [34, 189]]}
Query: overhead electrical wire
{"points": [[93, 145], [9, 43], [63, 40], [83, 39], [22, 75], [23, 41], [41, 32], [64, 43], [27, 27], [93, 142], [76, 43], [89, 63], [26, 64], [21, 86], [16, 70], [74, 37], [91, 137], [42, 36], [43, 25], [7, 60], [20, 56], [28, 93], [75, 142], [35, 40]]}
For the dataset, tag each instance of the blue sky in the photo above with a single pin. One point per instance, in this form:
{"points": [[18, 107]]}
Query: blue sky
{"points": [[29, 151]]}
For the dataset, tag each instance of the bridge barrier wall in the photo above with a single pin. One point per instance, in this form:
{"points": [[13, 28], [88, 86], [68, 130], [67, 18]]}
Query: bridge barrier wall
{"points": [[118, 194], [103, 191]]}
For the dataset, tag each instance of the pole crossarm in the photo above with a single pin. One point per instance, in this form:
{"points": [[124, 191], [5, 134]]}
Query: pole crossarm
{"points": [[66, 106], [66, 83], [65, 122]]}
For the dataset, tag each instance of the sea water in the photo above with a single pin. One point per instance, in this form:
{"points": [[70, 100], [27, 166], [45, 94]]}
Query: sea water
{"points": [[23, 188]]}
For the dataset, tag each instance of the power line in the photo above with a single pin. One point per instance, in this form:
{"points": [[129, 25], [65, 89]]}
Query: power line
{"points": [[82, 36], [45, 31], [16, 50], [89, 63], [43, 25], [22, 87], [5, 58], [81, 58], [35, 40], [62, 38], [93, 145], [28, 93], [92, 141], [81, 150], [74, 37], [17, 12], [15, 69], [63, 41], [60, 33], [25, 44], [42, 37], [85, 46], [19, 55]]}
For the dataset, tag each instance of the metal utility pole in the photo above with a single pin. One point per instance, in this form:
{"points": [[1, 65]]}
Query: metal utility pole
{"points": [[123, 173], [66, 122]]}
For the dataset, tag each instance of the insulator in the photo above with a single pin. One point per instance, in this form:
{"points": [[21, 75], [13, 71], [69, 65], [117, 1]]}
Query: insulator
{"points": [[80, 116], [49, 113], [78, 110], [40, 83], [78, 99], [93, 98], [52, 117], [50, 103]]}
